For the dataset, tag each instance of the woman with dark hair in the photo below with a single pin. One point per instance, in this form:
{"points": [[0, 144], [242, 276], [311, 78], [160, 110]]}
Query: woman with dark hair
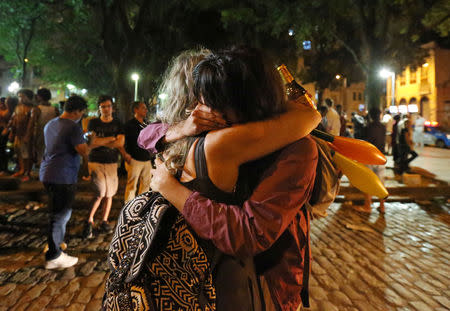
{"points": [[243, 86]]}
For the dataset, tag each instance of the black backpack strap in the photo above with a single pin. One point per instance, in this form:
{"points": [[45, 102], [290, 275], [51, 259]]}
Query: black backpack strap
{"points": [[201, 168], [304, 294]]}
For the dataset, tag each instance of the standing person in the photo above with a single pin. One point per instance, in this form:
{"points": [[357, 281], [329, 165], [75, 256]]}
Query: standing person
{"points": [[64, 143], [107, 138], [323, 125], [343, 129], [6, 112], [405, 146], [388, 121], [137, 160], [394, 140], [21, 132], [333, 119], [419, 124], [376, 135], [359, 125], [40, 115]]}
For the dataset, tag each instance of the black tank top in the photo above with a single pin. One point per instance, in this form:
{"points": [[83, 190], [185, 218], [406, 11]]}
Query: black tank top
{"points": [[235, 279], [202, 183]]}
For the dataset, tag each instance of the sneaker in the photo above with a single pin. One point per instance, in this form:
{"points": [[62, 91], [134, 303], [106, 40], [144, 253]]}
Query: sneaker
{"points": [[105, 227], [62, 261], [87, 230]]}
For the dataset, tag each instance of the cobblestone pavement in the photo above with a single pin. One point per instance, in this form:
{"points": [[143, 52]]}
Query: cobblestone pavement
{"points": [[399, 262]]}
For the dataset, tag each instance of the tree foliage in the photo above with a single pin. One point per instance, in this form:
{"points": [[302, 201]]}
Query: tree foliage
{"points": [[21, 23], [97, 44]]}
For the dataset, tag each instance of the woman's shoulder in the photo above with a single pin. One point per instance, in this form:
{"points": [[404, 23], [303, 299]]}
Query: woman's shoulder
{"points": [[303, 147]]}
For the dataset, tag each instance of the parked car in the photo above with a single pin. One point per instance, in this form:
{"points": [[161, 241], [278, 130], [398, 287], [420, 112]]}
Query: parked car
{"points": [[435, 135]]}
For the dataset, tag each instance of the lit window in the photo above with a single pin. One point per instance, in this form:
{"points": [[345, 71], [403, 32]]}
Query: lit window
{"points": [[424, 73], [402, 78], [413, 75]]}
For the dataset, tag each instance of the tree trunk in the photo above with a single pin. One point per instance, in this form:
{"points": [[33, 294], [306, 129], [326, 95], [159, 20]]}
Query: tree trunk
{"points": [[374, 87], [124, 96], [24, 78]]}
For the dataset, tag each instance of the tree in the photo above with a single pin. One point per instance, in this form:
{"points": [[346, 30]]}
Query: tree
{"points": [[20, 23], [375, 33]]}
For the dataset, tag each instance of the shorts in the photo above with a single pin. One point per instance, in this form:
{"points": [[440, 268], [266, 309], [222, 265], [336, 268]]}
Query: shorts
{"points": [[105, 179], [21, 149], [378, 170]]}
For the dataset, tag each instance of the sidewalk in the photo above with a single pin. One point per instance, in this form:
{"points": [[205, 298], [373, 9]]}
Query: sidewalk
{"points": [[437, 162]]}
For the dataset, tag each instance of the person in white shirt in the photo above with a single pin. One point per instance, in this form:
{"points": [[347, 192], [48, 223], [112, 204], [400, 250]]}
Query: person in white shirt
{"points": [[333, 118], [388, 121], [418, 131]]}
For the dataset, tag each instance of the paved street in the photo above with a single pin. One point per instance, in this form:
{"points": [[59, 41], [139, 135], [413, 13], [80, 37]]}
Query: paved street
{"points": [[400, 262], [435, 160]]}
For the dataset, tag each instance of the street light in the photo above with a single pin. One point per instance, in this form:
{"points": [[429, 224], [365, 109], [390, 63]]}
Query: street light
{"points": [[386, 73], [135, 78], [13, 87]]}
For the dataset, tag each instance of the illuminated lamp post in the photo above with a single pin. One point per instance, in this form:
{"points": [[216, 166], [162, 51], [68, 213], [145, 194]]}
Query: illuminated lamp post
{"points": [[386, 73], [135, 78]]}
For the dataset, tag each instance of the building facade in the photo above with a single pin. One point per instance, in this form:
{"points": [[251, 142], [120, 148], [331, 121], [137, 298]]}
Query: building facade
{"points": [[425, 89]]}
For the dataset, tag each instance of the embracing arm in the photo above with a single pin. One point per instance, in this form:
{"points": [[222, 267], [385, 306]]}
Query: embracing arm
{"points": [[246, 142], [201, 119], [255, 226]]}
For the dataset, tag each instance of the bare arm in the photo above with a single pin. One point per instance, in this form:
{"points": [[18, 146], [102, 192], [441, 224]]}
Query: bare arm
{"points": [[83, 150], [100, 141], [253, 227], [166, 184], [246, 142], [201, 119], [125, 155], [118, 142]]}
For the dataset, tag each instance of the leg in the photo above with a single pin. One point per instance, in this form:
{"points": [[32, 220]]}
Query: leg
{"points": [[27, 160], [112, 184], [107, 202], [413, 156], [94, 208], [132, 179], [99, 180], [381, 208], [20, 163], [61, 198], [145, 177]]}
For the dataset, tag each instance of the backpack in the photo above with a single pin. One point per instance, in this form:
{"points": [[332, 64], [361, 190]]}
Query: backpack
{"points": [[326, 183]]}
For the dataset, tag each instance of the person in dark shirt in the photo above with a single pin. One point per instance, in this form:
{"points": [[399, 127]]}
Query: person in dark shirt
{"points": [[107, 137], [137, 160], [376, 135], [405, 147], [359, 124]]}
